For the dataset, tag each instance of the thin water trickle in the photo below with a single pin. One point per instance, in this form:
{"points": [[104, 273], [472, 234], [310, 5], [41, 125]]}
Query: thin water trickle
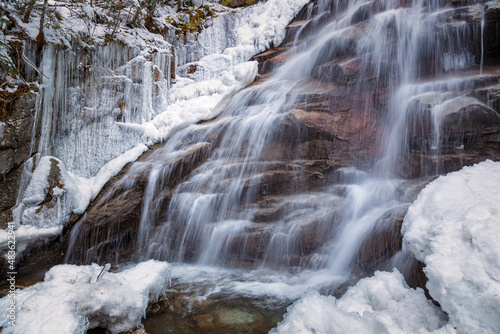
{"points": [[481, 64]]}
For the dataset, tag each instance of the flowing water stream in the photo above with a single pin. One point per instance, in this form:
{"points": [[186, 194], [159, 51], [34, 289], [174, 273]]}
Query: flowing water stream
{"points": [[207, 224]]}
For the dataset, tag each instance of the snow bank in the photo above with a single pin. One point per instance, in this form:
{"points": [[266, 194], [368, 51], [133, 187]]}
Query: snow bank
{"points": [[262, 26], [454, 228], [73, 299], [379, 304]]}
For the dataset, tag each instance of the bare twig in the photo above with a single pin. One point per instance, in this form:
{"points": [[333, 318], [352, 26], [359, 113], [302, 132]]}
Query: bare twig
{"points": [[99, 276], [8, 79], [33, 65]]}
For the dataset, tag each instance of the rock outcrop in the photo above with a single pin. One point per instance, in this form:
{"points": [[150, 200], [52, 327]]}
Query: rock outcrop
{"points": [[17, 118]]}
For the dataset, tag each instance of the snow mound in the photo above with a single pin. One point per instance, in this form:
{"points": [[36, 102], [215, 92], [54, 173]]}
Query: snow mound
{"points": [[379, 304], [74, 298], [262, 26], [454, 228]]}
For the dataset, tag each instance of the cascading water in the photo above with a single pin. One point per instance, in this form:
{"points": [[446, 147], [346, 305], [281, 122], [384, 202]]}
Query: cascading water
{"points": [[247, 201]]}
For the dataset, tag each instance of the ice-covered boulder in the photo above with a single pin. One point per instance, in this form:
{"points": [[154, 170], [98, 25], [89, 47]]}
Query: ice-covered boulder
{"points": [[380, 304], [74, 298], [454, 228]]}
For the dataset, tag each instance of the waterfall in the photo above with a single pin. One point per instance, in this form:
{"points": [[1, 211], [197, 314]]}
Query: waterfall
{"points": [[252, 188]]}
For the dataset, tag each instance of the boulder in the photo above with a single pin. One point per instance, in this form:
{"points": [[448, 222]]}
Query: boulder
{"points": [[489, 96], [384, 241]]}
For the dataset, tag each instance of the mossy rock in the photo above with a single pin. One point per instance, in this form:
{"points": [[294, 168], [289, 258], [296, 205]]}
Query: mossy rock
{"points": [[238, 3], [7, 99], [194, 20]]}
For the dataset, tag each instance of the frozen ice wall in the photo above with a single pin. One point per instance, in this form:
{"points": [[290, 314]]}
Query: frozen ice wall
{"points": [[88, 97], [240, 34]]}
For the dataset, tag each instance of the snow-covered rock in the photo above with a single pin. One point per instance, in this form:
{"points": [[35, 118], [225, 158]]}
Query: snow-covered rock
{"points": [[74, 298], [454, 228], [379, 304]]}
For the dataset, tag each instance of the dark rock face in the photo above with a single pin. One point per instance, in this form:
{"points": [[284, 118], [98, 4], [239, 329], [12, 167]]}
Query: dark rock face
{"points": [[17, 117], [492, 32], [468, 133]]}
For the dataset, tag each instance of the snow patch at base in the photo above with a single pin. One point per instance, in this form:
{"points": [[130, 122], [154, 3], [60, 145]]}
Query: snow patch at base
{"points": [[454, 228], [74, 298], [379, 304]]}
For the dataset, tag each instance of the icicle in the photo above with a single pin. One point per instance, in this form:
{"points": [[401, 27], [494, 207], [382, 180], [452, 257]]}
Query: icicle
{"points": [[48, 90]]}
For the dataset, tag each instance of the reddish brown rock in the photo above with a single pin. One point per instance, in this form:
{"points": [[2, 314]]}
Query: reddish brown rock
{"points": [[270, 59], [112, 221]]}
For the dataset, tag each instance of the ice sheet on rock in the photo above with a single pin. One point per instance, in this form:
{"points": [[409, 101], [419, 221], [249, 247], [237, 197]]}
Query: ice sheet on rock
{"points": [[74, 298], [454, 228], [34, 221], [26, 235], [37, 188], [379, 304], [89, 188]]}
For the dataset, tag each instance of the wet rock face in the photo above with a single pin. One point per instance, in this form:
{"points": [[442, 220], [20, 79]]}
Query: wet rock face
{"points": [[337, 119], [456, 132], [108, 231]]}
